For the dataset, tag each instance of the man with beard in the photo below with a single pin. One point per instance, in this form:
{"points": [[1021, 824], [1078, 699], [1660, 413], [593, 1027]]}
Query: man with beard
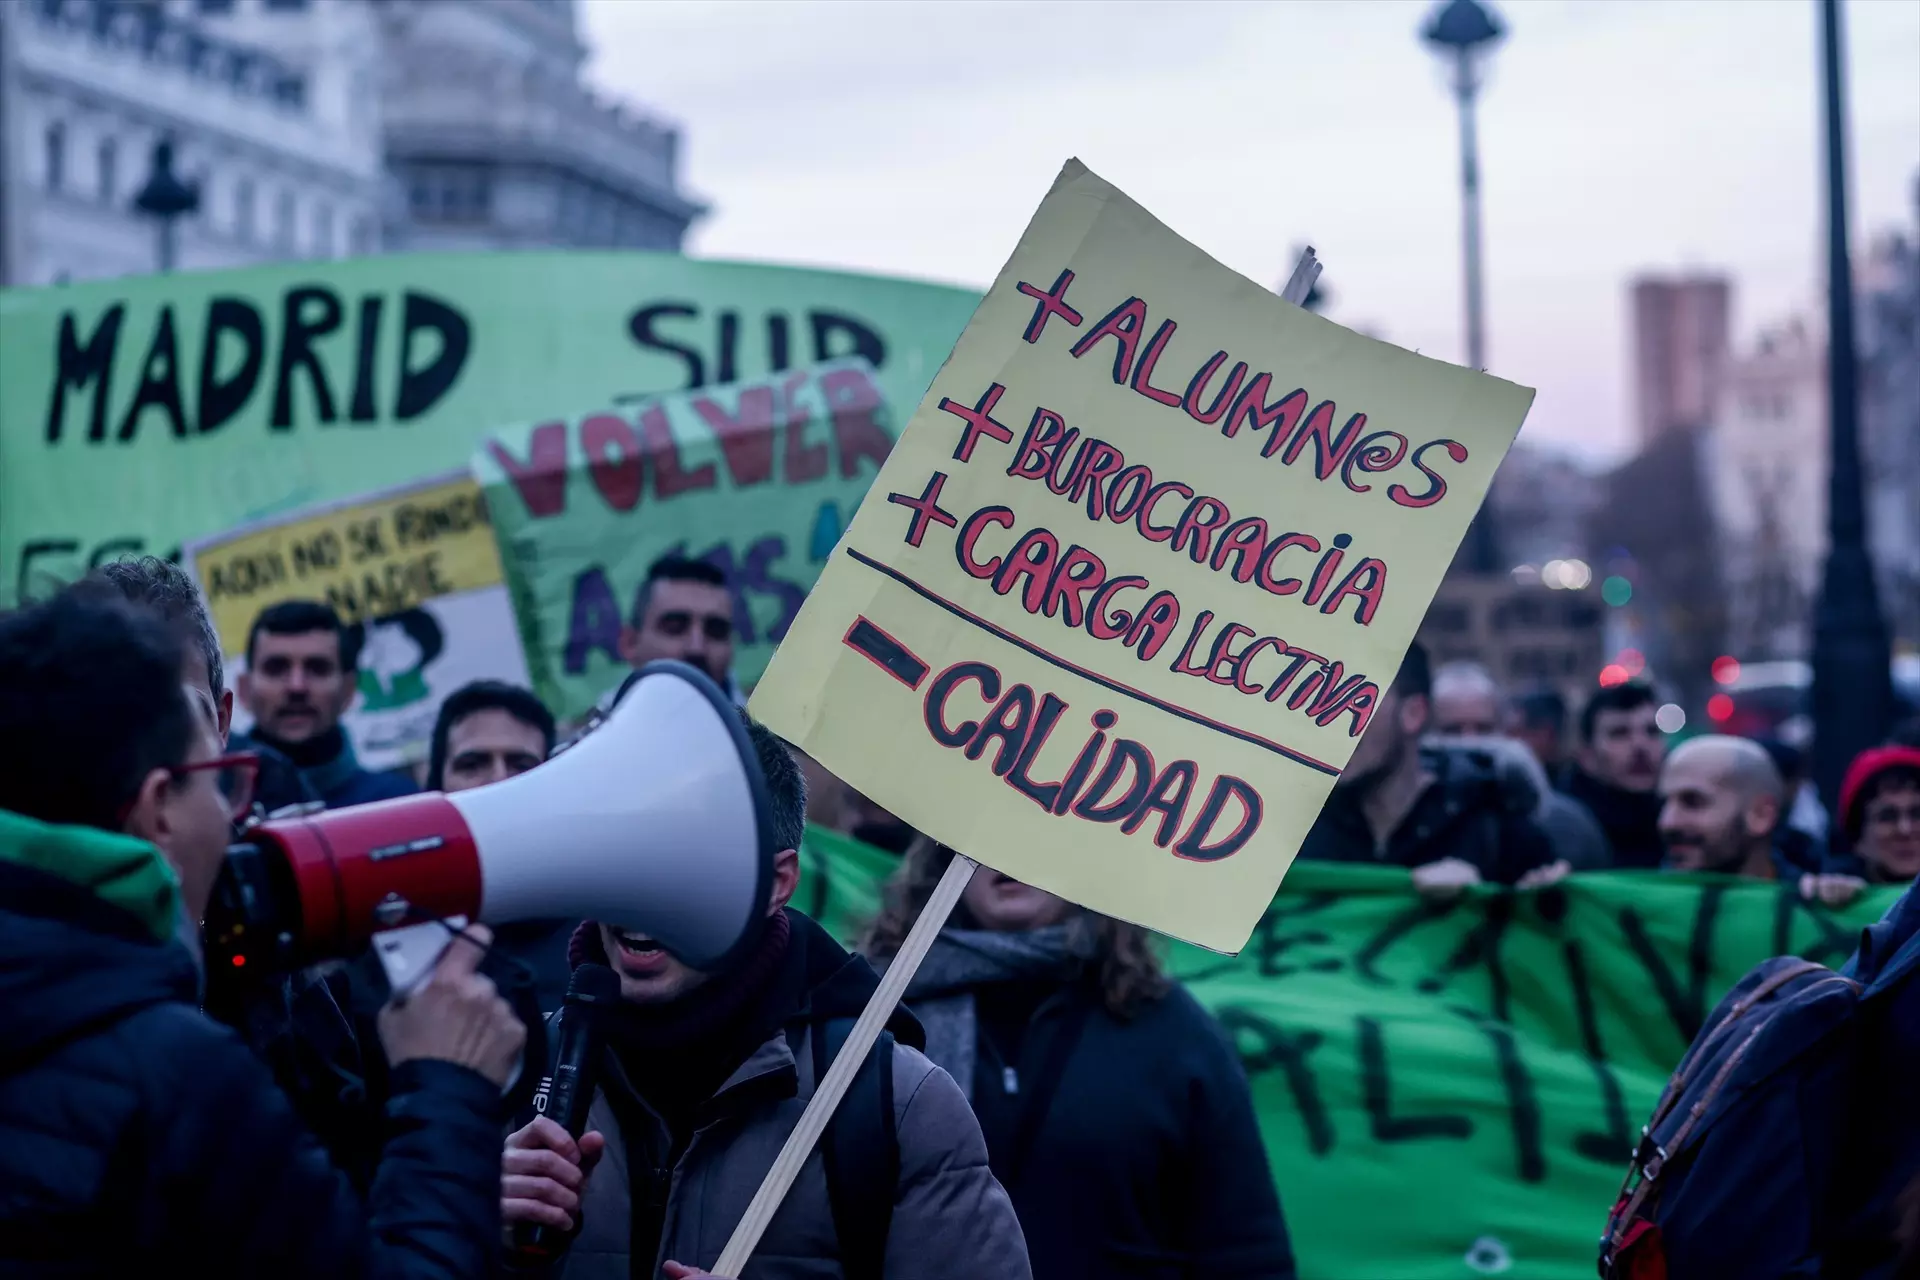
{"points": [[300, 678], [1437, 812], [1618, 772], [1720, 801], [683, 612]]}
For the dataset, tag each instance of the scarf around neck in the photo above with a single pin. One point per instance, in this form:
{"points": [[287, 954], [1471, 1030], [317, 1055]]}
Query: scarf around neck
{"points": [[963, 960]]}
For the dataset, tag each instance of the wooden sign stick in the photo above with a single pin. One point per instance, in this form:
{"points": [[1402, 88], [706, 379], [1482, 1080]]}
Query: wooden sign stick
{"points": [[830, 1089]]}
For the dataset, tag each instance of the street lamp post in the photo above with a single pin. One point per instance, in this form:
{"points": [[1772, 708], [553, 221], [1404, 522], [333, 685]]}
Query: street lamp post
{"points": [[1463, 33], [1852, 676], [166, 199]]}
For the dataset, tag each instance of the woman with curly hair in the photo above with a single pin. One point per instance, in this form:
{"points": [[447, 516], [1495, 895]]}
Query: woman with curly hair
{"points": [[1115, 1111]]}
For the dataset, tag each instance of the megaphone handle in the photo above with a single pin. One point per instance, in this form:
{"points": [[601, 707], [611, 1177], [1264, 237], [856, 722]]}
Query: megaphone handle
{"points": [[833, 1086]]}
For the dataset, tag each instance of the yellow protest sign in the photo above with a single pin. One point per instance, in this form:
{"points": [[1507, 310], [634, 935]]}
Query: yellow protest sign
{"points": [[415, 573], [369, 558], [1134, 579]]}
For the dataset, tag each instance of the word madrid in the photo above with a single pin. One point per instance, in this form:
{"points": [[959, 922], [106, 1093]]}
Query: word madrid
{"points": [[1240, 401]]}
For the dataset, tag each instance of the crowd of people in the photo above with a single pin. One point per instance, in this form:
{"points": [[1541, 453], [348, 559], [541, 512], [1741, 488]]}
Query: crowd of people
{"points": [[1047, 1101], [1461, 783]]}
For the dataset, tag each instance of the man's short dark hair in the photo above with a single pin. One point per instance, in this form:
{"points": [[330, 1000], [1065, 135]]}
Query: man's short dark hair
{"points": [[164, 590], [785, 784], [484, 695], [302, 617], [1619, 697], [90, 704], [1542, 709], [674, 569], [1415, 677]]}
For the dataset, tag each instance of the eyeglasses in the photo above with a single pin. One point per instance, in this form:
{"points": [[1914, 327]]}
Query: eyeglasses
{"points": [[1892, 817], [234, 776]]}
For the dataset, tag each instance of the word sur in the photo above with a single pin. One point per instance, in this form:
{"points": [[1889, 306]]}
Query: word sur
{"points": [[1108, 780], [1241, 401], [316, 350]]}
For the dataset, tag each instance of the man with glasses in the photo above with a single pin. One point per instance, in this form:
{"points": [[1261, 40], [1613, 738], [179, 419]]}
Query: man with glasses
{"points": [[297, 1023], [136, 1136], [683, 611]]}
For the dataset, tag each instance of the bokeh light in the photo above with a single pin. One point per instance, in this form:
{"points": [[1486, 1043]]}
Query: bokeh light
{"points": [[1633, 660], [1720, 708], [1726, 670], [1616, 591], [1612, 674], [1670, 718]]}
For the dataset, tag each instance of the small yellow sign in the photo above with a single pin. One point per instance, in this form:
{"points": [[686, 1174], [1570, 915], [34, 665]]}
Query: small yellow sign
{"points": [[371, 558], [1132, 583]]}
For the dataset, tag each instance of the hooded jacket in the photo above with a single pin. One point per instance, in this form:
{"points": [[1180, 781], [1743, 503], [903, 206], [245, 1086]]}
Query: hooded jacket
{"points": [[951, 1219], [139, 1137]]}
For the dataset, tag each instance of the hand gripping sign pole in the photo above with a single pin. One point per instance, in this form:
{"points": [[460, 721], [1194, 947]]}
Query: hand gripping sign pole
{"points": [[893, 985]]}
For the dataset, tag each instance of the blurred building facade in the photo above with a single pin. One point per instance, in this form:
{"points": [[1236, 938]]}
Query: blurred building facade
{"points": [[1889, 336], [1680, 350], [316, 129], [1543, 502], [492, 141], [281, 136]]}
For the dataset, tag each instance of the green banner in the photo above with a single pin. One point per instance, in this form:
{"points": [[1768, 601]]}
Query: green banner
{"points": [[1450, 1091], [140, 414], [757, 477]]}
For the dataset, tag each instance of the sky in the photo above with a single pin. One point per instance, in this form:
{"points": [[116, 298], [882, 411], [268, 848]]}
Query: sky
{"points": [[1617, 136]]}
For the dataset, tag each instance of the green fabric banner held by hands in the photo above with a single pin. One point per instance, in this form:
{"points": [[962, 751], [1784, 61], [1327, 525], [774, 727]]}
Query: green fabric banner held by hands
{"points": [[757, 477], [139, 414], [1450, 1091]]}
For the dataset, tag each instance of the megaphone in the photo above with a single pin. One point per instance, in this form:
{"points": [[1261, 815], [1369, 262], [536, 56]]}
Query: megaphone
{"points": [[658, 821]]}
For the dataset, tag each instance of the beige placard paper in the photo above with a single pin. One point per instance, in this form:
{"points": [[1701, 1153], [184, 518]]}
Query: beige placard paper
{"points": [[1133, 580]]}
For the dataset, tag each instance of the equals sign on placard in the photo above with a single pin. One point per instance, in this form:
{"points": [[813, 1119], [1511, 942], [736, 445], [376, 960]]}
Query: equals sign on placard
{"points": [[886, 653]]}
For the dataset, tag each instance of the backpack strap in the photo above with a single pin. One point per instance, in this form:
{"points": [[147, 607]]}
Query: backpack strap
{"points": [[1649, 1157], [861, 1151]]}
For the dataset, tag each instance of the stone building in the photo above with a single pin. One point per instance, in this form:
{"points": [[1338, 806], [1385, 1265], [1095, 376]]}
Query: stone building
{"points": [[315, 129]]}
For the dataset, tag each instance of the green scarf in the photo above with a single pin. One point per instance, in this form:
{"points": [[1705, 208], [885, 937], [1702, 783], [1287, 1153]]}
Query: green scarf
{"points": [[118, 869]]}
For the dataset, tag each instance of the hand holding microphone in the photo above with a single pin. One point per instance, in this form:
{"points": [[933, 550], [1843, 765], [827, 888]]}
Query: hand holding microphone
{"points": [[544, 1169]]}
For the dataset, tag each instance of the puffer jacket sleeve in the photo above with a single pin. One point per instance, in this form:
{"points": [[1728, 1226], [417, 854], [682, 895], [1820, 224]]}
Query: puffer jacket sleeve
{"points": [[951, 1220], [1227, 1202], [242, 1189]]}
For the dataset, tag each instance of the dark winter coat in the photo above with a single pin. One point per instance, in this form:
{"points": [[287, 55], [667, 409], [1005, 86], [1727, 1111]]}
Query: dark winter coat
{"points": [[1465, 813], [1630, 819], [1136, 1154], [138, 1137], [951, 1220], [1882, 1159]]}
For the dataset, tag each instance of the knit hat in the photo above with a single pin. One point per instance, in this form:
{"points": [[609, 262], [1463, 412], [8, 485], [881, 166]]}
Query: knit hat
{"points": [[1867, 766]]}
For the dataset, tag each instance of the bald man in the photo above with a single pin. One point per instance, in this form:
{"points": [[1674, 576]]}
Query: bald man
{"points": [[1720, 800], [1467, 702]]}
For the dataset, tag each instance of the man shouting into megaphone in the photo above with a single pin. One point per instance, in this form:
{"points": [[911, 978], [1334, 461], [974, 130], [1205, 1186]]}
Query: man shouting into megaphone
{"points": [[137, 1136], [703, 1075]]}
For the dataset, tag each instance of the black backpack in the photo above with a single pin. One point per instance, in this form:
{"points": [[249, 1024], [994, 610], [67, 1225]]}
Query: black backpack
{"points": [[1733, 1176], [860, 1148]]}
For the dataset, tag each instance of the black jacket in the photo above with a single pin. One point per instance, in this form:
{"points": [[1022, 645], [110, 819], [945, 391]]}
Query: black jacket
{"points": [[1630, 819], [1130, 1147], [1466, 813], [138, 1137]]}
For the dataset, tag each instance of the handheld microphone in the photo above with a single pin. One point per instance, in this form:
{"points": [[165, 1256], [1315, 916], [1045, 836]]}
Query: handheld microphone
{"points": [[565, 1094]]}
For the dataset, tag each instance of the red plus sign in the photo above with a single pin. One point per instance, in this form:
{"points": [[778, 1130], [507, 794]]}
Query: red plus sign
{"points": [[925, 508], [979, 420], [1048, 304]]}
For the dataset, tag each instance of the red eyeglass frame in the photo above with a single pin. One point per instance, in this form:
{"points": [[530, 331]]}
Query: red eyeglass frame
{"points": [[246, 761]]}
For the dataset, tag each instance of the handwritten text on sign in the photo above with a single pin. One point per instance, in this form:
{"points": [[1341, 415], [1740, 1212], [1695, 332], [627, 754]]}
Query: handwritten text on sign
{"points": [[1148, 557], [757, 477]]}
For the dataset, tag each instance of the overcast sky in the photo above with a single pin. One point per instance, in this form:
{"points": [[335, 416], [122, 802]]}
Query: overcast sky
{"points": [[1617, 136]]}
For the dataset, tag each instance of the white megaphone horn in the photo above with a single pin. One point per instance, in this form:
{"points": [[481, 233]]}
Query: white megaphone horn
{"points": [[657, 821]]}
